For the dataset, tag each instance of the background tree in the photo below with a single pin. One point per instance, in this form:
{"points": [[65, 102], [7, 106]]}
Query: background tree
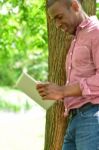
{"points": [[58, 44]]}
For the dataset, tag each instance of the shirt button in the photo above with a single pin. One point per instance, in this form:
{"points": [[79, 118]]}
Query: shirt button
{"points": [[70, 53], [69, 67], [65, 109], [67, 82], [74, 40]]}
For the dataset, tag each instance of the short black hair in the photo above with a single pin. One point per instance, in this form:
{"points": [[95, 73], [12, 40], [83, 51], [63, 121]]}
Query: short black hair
{"points": [[51, 2]]}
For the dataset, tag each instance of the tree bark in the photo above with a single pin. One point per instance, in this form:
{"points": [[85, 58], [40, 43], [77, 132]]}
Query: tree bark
{"points": [[58, 44]]}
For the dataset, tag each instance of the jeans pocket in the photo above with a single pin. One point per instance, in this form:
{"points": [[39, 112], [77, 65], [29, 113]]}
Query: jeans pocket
{"points": [[90, 112]]}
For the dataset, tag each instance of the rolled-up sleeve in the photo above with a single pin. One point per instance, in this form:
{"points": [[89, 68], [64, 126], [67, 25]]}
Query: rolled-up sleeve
{"points": [[90, 85]]}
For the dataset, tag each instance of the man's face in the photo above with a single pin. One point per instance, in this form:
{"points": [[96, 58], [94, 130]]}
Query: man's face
{"points": [[65, 19]]}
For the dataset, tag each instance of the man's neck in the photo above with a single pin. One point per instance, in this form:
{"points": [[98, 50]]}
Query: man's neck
{"points": [[82, 16]]}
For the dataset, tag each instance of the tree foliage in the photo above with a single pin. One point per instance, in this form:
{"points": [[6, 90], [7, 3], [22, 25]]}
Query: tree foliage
{"points": [[97, 8], [23, 40]]}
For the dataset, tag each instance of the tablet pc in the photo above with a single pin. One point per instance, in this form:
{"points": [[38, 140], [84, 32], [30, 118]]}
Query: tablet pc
{"points": [[27, 84]]}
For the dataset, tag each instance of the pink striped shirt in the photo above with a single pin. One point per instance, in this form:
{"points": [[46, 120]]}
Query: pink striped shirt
{"points": [[82, 64]]}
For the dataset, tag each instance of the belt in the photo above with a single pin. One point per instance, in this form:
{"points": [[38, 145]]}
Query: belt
{"points": [[74, 112]]}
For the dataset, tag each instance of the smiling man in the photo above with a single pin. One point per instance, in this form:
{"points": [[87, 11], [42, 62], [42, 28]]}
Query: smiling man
{"points": [[81, 91]]}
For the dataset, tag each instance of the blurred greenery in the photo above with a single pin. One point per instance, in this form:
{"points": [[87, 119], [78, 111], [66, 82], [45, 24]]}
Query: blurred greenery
{"points": [[14, 100], [9, 106], [97, 8], [23, 40], [23, 43]]}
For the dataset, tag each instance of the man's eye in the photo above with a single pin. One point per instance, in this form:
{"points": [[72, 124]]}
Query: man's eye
{"points": [[59, 17]]}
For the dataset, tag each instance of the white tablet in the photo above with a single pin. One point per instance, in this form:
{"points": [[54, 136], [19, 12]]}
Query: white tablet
{"points": [[28, 85]]}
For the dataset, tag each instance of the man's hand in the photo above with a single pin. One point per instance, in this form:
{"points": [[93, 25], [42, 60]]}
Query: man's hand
{"points": [[50, 91]]}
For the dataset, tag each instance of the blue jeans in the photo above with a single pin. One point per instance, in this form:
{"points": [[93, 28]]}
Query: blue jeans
{"points": [[83, 131]]}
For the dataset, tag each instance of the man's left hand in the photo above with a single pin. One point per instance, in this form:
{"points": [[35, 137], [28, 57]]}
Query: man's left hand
{"points": [[50, 91]]}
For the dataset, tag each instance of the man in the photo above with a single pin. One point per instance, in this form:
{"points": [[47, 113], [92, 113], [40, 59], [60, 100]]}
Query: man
{"points": [[81, 92]]}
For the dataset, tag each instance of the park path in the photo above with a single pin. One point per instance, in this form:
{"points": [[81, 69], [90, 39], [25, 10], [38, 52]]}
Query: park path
{"points": [[22, 131]]}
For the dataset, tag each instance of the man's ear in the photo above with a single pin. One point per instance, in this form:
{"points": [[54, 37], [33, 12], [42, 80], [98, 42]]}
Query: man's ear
{"points": [[75, 5]]}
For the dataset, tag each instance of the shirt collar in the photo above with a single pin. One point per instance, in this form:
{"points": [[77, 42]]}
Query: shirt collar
{"points": [[85, 23]]}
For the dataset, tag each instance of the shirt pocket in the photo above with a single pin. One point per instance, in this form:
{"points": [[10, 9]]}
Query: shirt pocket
{"points": [[81, 56]]}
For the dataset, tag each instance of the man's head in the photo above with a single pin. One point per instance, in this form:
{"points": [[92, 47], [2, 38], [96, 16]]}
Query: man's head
{"points": [[67, 14]]}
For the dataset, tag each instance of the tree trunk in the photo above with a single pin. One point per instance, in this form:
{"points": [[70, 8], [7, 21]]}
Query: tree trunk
{"points": [[58, 44]]}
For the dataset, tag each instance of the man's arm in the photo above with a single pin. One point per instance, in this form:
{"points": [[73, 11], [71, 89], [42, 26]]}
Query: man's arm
{"points": [[72, 90], [53, 91]]}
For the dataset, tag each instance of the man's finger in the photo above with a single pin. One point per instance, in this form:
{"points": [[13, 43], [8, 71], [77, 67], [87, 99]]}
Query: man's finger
{"points": [[42, 94], [40, 85], [41, 89]]}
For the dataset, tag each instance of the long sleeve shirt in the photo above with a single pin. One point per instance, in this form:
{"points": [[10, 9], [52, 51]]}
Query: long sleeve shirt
{"points": [[82, 64]]}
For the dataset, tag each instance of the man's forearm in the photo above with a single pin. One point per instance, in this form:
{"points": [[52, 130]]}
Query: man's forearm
{"points": [[56, 92], [72, 90]]}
